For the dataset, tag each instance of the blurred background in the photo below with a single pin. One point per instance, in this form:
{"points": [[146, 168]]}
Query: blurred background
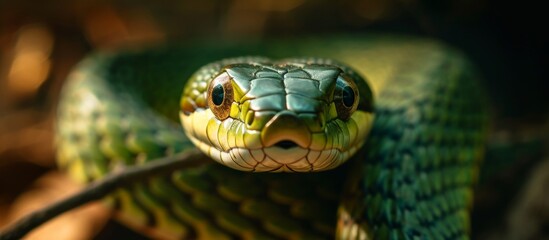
{"points": [[41, 42]]}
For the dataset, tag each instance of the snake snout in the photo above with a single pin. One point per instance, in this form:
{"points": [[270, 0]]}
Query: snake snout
{"points": [[286, 130]]}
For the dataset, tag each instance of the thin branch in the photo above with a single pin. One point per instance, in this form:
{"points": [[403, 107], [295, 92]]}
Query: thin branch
{"points": [[101, 188]]}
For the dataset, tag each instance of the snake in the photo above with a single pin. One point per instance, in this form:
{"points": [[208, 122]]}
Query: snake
{"points": [[345, 137]]}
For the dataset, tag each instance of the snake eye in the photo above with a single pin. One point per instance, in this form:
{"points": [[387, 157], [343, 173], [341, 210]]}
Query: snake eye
{"points": [[220, 96], [348, 96], [345, 97]]}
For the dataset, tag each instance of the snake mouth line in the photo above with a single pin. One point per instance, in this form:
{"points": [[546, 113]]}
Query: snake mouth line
{"points": [[284, 156], [286, 144]]}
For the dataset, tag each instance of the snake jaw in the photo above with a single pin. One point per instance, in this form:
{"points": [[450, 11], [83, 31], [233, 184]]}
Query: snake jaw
{"points": [[276, 148]]}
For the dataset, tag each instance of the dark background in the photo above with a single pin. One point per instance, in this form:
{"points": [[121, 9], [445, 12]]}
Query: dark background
{"points": [[40, 42]]}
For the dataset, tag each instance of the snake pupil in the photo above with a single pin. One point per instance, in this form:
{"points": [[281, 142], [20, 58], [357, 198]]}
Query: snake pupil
{"points": [[348, 96], [218, 94]]}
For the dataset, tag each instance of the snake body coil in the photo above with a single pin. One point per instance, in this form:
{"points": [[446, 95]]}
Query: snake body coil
{"points": [[412, 178]]}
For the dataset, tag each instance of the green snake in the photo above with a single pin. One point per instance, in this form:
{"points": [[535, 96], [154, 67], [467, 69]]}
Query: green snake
{"points": [[372, 137]]}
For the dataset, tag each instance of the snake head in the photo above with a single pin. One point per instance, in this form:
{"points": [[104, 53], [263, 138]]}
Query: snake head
{"points": [[294, 115]]}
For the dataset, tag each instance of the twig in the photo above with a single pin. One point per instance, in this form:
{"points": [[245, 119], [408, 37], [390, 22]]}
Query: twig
{"points": [[101, 188]]}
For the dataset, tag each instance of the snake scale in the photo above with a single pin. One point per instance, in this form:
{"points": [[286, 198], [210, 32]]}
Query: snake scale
{"points": [[412, 179]]}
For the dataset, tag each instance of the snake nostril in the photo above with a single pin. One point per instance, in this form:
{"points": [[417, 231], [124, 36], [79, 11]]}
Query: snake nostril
{"points": [[250, 116], [286, 144]]}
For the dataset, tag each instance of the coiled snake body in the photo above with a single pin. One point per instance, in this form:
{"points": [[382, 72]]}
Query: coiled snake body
{"points": [[411, 177]]}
